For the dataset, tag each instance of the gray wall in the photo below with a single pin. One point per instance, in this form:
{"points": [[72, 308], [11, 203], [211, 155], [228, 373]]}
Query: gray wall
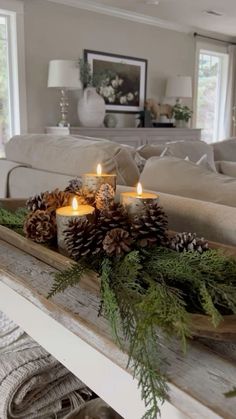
{"points": [[54, 31]]}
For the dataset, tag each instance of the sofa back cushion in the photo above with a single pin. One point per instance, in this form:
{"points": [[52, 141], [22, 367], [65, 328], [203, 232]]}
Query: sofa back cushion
{"points": [[225, 150], [193, 149], [73, 155], [180, 177]]}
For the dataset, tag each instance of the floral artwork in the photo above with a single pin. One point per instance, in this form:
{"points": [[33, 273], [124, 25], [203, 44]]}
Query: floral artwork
{"points": [[121, 81]]}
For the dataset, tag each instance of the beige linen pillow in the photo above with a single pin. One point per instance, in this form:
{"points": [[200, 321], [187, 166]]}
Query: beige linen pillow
{"points": [[179, 177], [149, 150], [227, 168], [193, 149], [73, 155], [225, 150]]}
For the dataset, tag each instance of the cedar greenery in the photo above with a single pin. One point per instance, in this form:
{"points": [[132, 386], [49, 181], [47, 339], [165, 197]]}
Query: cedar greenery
{"points": [[157, 288], [14, 220]]}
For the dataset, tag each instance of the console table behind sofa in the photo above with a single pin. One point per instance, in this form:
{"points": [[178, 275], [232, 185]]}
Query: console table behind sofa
{"points": [[132, 136]]}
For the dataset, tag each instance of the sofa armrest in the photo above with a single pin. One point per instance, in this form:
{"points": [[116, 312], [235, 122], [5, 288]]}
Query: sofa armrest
{"points": [[6, 167], [227, 168], [215, 222]]}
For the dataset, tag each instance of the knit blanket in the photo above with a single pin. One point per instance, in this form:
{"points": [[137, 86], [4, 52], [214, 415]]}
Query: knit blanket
{"points": [[33, 384]]}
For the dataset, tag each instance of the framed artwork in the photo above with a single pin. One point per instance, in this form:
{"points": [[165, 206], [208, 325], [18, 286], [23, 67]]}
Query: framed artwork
{"points": [[121, 80]]}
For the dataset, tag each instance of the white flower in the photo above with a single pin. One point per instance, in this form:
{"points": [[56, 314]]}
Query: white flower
{"points": [[115, 82], [123, 100], [111, 99], [107, 91], [130, 97], [121, 81]]}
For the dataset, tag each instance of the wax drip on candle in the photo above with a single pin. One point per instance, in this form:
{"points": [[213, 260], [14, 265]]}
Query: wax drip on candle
{"points": [[139, 189], [99, 169], [75, 205]]}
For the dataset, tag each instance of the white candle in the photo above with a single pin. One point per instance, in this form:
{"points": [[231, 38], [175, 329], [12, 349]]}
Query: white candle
{"points": [[93, 181], [66, 214], [134, 202]]}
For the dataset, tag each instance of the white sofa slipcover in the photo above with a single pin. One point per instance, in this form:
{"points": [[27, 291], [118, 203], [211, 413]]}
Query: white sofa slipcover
{"points": [[73, 155]]}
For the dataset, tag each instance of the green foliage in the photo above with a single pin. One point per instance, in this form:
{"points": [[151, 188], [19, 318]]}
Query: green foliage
{"points": [[231, 393], [181, 112], [68, 278], [157, 288], [13, 220]]}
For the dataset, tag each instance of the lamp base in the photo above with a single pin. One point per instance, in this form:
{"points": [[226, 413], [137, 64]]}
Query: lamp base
{"points": [[64, 106]]}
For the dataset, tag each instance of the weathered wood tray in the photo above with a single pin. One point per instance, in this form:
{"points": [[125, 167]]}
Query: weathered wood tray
{"points": [[201, 324]]}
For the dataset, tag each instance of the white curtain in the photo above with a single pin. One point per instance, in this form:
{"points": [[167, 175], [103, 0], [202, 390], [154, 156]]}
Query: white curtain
{"points": [[229, 128]]}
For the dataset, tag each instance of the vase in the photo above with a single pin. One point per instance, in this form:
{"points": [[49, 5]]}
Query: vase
{"points": [[180, 123], [91, 109]]}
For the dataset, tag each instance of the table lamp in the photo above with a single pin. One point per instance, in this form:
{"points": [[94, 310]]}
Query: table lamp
{"points": [[64, 75], [179, 87]]}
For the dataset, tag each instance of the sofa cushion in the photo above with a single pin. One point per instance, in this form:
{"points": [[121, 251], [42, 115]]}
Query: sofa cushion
{"points": [[193, 149], [212, 221], [225, 150], [227, 168], [149, 150], [179, 177], [73, 155]]}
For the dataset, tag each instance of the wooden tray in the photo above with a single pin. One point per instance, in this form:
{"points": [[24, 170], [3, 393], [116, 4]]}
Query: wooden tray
{"points": [[201, 324]]}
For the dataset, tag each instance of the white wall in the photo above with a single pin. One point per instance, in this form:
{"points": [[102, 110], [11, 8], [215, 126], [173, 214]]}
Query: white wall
{"points": [[54, 31]]}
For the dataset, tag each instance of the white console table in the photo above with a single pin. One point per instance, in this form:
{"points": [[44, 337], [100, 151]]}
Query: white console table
{"points": [[132, 136]]}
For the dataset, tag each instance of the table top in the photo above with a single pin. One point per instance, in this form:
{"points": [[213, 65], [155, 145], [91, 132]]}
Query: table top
{"points": [[68, 327]]}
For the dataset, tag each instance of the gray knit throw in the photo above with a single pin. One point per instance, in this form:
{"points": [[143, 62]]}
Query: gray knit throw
{"points": [[33, 384]]}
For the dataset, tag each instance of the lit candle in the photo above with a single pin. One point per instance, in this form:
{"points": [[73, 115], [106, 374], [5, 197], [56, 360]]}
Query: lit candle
{"points": [[93, 181], [134, 202], [66, 214]]}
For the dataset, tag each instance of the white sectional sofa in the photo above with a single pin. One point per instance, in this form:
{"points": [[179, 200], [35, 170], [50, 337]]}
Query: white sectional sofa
{"points": [[195, 198]]}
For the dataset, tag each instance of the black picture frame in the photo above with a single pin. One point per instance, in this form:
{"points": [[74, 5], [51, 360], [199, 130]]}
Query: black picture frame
{"points": [[125, 80]]}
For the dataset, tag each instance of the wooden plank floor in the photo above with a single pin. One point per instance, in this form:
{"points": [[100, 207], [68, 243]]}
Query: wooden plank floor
{"points": [[197, 381]]}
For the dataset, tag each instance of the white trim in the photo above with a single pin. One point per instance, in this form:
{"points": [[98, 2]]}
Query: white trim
{"points": [[124, 14], [15, 10]]}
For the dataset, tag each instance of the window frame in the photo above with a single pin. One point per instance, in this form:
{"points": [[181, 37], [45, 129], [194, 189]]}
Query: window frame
{"points": [[13, 10], [210, 48]]}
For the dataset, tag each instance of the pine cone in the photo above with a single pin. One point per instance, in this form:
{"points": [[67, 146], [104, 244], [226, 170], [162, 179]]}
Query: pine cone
{"points": [[150, 227], [117, 242], [188, 242], [105, 197], [57, 199], [86, 197], [74, 186], [114, 217], [40, 226], [83, 238], [37, 202]]}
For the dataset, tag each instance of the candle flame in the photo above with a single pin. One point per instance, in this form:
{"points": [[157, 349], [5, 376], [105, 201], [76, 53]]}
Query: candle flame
{"points": [[139, 189], [75, 205], [99, 169]]}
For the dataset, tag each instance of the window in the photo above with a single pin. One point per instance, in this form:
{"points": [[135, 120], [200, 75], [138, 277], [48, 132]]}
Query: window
{"points": [[211, 84], [12, 78]]}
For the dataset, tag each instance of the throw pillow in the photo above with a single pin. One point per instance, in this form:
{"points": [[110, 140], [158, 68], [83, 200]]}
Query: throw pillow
{"points": [[176, 176]]}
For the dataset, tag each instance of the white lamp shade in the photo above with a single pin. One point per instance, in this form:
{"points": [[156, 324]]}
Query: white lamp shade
{"points": [[64, 74], [179, 87]]}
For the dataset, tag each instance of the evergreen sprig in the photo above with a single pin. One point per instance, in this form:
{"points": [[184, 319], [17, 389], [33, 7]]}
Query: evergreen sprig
{"points": [[68, 278], [13, 220]]}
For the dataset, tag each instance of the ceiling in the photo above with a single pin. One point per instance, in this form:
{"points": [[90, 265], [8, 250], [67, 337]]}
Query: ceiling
{"points": [[179, 14]]}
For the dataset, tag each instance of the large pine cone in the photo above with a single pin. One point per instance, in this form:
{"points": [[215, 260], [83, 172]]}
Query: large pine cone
{"points": [[57, 199], [114, 217], [49, 201], [40, 226], [37, 202], [105, 197], [150, 227], [117, 242], [83, 238], [188, 242], [74, 186]]}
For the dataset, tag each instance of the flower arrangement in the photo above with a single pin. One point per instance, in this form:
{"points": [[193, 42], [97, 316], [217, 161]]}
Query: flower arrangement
{"points": [[149, 279], [182, 112], [110, 85]]}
